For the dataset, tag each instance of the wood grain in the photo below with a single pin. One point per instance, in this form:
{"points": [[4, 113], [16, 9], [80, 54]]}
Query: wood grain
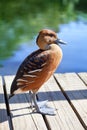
{"points": [[64, 115], [83, 76], [67, 93], [21, 112], [76, 92]]}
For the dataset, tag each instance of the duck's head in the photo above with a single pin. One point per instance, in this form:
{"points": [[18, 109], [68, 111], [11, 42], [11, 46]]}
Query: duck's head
{"points": [[47, 37]]}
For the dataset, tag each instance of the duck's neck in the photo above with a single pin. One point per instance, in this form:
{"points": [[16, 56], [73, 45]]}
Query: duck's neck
{"points": [[56, 50], [54, 47]]}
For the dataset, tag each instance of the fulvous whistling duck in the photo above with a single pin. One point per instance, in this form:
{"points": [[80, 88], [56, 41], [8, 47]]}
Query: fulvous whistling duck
{"points": [[38, 67]]}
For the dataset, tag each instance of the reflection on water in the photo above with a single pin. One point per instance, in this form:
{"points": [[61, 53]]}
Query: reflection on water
{"points": [[74, 53], [75, 57], [20, 21]]}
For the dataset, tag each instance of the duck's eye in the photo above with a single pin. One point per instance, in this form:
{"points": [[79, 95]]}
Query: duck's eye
{"points": [[51, 35]]}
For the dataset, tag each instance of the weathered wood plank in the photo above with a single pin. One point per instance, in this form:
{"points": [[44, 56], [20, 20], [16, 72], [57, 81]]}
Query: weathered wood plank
{"points": [[37, 118], [4, 121], [76, 92], [83, 76], [65, 118], [22, 116]]}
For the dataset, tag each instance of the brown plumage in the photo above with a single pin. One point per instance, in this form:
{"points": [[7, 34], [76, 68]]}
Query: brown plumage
{"points": [[37, 68]]}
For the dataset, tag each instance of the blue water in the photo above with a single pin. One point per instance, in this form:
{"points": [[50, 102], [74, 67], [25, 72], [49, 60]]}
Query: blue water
{"points": [[74, 53]]}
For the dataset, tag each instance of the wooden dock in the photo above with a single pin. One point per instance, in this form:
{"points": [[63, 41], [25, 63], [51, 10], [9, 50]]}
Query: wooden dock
{"points": [[66, 92]]}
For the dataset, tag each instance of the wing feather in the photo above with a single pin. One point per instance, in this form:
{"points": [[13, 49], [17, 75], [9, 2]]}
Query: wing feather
{"points": [[30, 69]]}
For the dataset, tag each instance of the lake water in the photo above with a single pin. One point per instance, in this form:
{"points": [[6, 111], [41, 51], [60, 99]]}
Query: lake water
{"points": [[74, 53]]}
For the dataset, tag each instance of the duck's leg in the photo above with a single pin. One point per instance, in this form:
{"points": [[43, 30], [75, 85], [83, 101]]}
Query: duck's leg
{"points": [[41, 107], [39, 103], [31, 100]]}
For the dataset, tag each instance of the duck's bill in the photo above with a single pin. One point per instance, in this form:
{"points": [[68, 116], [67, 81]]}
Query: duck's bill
{"points": [[59, 41]]}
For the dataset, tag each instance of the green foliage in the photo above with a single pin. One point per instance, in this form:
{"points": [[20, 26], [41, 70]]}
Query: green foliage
{"points": [[20, 20]]}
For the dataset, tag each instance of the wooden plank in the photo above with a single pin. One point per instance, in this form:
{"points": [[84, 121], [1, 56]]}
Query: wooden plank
{"points": [[76, 92], [65, 118], [37, 118], [4, 121], [21, 114], [83, 76]]}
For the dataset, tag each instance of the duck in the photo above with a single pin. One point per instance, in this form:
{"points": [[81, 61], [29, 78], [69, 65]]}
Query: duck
{"points": [[37, 68]]}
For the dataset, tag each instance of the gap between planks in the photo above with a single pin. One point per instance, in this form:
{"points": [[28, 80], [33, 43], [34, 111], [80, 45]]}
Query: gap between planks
{"points": [[83, 77], [20, 112], [48, 119], [76, 84], [65, 118], [5, 122]]}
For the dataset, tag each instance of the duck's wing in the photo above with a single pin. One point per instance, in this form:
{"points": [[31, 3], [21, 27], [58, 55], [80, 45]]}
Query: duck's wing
{"points": [[30, 69]]}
